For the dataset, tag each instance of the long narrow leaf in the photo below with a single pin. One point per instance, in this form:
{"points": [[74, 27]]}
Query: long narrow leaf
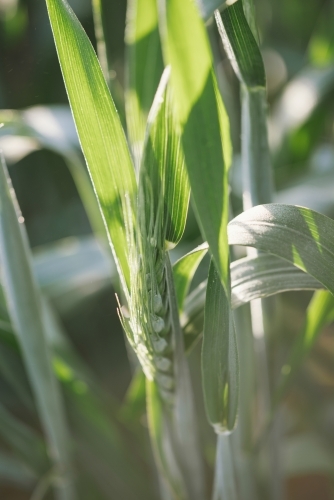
{"points": [[219, 357], [299, 235], [25, 310], [252, 278], [99, 128], [203, 121], [143, 70]]}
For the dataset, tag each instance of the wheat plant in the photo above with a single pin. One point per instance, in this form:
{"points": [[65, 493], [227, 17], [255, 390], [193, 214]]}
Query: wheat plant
{"points": [[176, 145]]}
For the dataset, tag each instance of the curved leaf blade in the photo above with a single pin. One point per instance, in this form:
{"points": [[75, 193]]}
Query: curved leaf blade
{"points": [[98, 125], [184, 270], [303, 237], [251, 278]]}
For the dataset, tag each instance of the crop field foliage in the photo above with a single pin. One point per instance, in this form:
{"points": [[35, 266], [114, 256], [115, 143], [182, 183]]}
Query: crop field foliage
{"points": [[205, 174]]}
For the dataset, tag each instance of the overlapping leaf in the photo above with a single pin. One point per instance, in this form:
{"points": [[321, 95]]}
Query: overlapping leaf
{"points": [[99, 128], [303, 237], [219, 350], [144, 68], [163, 174]]}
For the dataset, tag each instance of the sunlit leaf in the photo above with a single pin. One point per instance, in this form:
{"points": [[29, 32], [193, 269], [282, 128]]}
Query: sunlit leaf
{"points": [[99, 128], [163, 173], [144, 68], [299, 235], [203, 121]]}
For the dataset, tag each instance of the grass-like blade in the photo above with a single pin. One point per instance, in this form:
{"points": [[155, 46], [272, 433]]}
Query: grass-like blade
{"points": [[303, 237], [165, 182], [25, 311], [203, 121], [99, 128], [251, 278], [143, 69], [219, 357], [241, 46], [320, 312], [184, 270], [265, 275]]}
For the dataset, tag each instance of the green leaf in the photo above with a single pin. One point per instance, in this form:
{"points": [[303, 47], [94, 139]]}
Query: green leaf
{"points": [[265, 275], [144, 68], [303, 237], [184, 270], [320, 312], [99, 128], [203, 121], [251, 278], [220, 367], [25, 311], [241, 46], [163, 174], [184, 412]]}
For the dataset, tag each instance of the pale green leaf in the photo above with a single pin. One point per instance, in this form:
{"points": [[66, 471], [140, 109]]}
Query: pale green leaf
{"points": [[99, 128], [184, 270], [203, 121], [219, 357], [303, 237], [25, 311], [251, 278], [224, 483]]}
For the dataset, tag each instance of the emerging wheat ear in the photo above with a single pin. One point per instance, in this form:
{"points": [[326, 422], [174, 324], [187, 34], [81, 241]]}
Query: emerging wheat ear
{"points": [[147, 322]]}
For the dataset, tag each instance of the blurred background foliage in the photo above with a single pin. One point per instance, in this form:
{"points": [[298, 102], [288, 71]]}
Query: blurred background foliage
{"points": [[104, 393]]}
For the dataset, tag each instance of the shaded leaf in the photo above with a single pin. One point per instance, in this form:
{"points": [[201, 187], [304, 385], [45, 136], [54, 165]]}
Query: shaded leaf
{"points": [[25, 311], [144, 68], [184, 270], [219, 357]]}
